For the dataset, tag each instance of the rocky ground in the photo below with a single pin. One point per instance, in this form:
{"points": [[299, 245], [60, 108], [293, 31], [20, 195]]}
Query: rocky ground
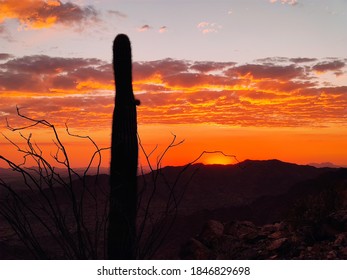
{"points": [[309, 205], [281, 240]]}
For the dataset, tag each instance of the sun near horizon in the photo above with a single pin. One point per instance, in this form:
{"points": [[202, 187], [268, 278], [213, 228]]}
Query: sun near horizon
{"points": [[221, 77]]}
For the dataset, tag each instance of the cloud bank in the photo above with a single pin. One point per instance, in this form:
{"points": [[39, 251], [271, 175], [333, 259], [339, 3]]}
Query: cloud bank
{"points": [[272, 92]]}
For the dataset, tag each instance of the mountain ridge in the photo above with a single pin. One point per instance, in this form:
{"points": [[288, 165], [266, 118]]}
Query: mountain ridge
{"points": [[256, 190]]}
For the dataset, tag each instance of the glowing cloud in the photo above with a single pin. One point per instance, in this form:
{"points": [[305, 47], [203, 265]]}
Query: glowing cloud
{"points": [[144, 28], [282, 93], [36, 14], [163, 29]]}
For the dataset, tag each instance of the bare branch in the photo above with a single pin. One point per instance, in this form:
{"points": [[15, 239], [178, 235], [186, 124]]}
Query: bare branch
{"points": [[43, 198]]}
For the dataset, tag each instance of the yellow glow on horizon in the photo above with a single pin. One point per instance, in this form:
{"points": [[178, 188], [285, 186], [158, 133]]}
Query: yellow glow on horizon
{"points": [[217, 158], [302, 145]]}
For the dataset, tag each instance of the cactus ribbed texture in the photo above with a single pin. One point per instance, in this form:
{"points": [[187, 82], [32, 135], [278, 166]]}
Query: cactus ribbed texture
{"points": [[124, 157]]}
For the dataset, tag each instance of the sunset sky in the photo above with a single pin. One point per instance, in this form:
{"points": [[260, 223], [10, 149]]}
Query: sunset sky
{"points": [[258, 79]]}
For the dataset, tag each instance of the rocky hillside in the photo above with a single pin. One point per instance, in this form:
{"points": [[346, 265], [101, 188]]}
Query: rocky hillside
{"points": [[213, 187], [294, 200], [245, 241], [314, 226]]}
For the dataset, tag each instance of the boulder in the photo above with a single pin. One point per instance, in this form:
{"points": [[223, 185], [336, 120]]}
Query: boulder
{"points": [[242, 230], [340, 239], [211, 232], [277, 243]]}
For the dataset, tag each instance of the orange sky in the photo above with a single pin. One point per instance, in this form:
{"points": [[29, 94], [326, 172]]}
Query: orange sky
{"points": [[293, 108], [276, 108]]}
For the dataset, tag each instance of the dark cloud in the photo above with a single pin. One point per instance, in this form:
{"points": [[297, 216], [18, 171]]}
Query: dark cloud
{"points": [[168, 66], [303, 60], [259, 71], [335, 90], [285, 60], [63, 82], [144, 28], [196, 80], [117, 14], [40, 73], [20, 82], [209, 66], [5, 56], [93, 73], [43, 64], [171, 66], [335, 65], [272, 60]]}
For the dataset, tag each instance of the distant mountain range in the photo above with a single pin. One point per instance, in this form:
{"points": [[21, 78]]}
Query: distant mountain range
{"points": [[325, 164], [261, 191], [255, 190], [216, 186]]}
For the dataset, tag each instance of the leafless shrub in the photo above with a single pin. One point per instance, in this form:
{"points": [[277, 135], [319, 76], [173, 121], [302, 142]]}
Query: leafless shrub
{"points": [[63, 212]]}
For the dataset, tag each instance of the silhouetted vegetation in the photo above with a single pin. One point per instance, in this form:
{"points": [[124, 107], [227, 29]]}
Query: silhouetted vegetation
{"points": [[83, 216], [124, 157], [66, 206]]}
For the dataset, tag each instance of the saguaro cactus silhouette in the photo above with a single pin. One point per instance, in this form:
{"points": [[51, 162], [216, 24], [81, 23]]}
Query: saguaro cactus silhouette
{"points": [[124, 157]]}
